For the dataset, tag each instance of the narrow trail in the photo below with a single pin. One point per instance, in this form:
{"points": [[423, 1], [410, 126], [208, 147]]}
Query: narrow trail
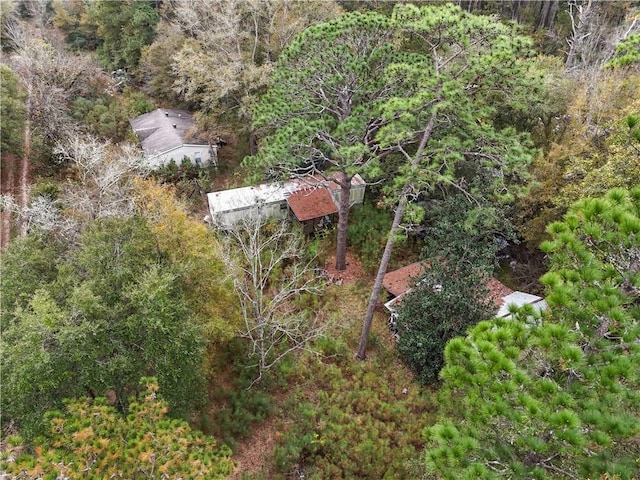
{"points": [[252, 454], [15, 175], [9, 165]]}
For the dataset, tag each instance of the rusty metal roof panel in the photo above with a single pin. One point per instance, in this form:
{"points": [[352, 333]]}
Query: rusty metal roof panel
{"points": [[310, 203]]}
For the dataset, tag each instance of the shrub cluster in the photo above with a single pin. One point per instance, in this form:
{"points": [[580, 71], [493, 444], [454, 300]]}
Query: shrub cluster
{"points": [[353, 424]]}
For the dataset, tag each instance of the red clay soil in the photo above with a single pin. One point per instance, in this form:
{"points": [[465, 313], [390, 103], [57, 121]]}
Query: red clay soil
{"points": [[353, 272], [10, 173], [15, 173], [250, 455]]}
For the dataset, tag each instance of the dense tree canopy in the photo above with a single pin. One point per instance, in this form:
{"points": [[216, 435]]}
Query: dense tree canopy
{"points": [[435, 105], [226, 59], [595, 147], [115, 310], [13, 112], [557, 395], [457, 71], [189, 246], [323, 107], [72, 17], [123, 28]]}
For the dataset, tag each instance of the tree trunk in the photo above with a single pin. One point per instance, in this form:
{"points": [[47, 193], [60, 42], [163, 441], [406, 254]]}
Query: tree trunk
{"points": [[388, 249], [579, 32], [377, 285], [515, 9], [253, 144], [547, 14], [343, 222]]}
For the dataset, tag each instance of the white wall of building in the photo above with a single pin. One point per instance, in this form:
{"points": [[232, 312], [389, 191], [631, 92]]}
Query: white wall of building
{"points": [[192, 152]]}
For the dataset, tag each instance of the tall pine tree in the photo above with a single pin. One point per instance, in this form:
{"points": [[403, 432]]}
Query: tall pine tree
{"points": [[558, 395]]}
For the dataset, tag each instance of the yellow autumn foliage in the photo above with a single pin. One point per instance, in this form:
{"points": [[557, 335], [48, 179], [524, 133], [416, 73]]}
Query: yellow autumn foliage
{"points": [[190, 245], [594, 150]]}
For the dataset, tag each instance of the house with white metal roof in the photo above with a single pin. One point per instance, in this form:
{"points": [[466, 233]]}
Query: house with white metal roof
{"points": [[167, 134], [310, 199]]}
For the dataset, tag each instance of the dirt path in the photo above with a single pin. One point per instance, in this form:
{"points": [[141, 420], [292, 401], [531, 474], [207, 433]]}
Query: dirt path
{"points": [[250, 455], [15, 173], [10, 185]]}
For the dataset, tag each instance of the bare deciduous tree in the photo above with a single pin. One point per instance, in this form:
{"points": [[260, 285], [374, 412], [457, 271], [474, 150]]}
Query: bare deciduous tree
{"points": [[102, 186], [52, 78], [42, 213], [271, 272], [596, 29], [105, 173], [227, 60]]}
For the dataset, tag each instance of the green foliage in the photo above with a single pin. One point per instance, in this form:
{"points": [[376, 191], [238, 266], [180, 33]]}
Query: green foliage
{"points": [[191, 181], [557, 395], [462, 238], [464, 232], [594, 149], [92, 440], [627, 53], [72, 18], [123, 29], [13, 112], [368, 233], [353, 423], [347, 55], [427, 84], [112, 310], [240, 405], [594, 262], [27, 264], [449, 299], [107, 116], [156, 64], [189, 246]]}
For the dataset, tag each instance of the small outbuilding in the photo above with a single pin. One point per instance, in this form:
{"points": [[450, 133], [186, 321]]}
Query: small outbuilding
{"points": [[168, 134], [311, 200], [400, 282]]}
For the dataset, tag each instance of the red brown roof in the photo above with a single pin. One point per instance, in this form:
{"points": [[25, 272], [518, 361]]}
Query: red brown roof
{"points": [[401, 280], [497, 291], [310, 203]]}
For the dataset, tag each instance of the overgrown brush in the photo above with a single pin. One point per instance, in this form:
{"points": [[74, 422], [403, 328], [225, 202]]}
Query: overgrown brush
{"points": [[368, 233], [357, 420]]}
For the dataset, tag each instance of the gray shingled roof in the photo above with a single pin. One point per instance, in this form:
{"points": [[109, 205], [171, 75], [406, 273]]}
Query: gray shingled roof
{"points": [[157, 133]]}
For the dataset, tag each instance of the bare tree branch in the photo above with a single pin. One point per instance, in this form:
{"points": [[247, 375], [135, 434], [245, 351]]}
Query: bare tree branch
{"points": [[270, 272]]}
